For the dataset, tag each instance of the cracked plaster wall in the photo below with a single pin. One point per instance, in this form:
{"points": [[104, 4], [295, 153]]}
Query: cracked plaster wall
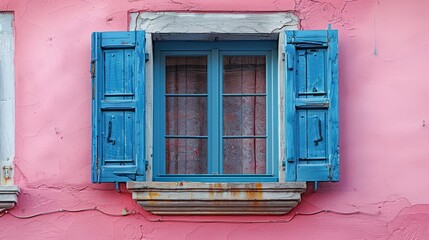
{"points": [[383, 111]]}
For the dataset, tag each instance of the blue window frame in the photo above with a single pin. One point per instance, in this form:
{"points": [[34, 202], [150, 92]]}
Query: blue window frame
{"points": [[214, 97], [310, 114]]}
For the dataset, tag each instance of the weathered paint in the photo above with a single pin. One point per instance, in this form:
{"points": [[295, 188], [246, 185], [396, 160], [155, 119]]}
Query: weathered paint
{"points": [[8, 192], [195, 198], [118, 106], [7, 99], [383, 110]]}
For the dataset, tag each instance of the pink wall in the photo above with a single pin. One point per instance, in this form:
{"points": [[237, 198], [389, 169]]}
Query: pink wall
{"points": [[384, 142]]}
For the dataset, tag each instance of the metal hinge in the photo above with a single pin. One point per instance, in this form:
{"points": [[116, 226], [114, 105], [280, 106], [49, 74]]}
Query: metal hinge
{"points": [[93, 78], [92, 68], [146, 164], [283, 164], [146, 57], [7, 172]]}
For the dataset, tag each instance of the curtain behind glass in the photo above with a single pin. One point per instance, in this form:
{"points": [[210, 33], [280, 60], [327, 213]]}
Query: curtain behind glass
{"points": [[186, 115], [243, 114]]}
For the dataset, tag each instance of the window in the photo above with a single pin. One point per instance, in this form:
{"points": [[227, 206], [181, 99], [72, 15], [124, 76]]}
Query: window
{"points": [[196, 107], [216, 111], [229, 137]]}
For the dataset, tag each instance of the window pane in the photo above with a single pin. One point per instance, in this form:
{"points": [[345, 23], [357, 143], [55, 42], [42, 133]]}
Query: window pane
{"points": [[244, 116], [186, 116], [244, 156], [186, 75], [244, 74], [186, 156]]}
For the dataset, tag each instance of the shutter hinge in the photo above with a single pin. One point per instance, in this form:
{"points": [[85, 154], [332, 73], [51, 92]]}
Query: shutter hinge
{"points": [[146, 164], [146, 57], [284, 164], [330, 172], [92, 68], [93, 78], [283, 57]]}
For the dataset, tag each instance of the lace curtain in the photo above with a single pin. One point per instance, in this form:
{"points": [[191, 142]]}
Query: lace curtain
{"points": [[243, 115]]}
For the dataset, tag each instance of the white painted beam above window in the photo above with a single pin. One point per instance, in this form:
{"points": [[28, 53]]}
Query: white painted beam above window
{"points": [[237, 23]]}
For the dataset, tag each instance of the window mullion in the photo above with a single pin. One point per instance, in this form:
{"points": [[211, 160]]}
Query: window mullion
{"points": [[214, 123], [219, 108]]}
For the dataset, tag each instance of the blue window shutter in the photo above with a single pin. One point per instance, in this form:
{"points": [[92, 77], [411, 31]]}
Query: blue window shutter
{"points": [[312, 132], [118, 116]]}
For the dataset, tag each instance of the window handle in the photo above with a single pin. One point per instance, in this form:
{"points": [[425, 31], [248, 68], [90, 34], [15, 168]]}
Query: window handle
{"points": [[319, 125], [109, 134]]}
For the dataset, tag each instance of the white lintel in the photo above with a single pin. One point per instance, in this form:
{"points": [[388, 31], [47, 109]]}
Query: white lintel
{"points": [[238, 23]]}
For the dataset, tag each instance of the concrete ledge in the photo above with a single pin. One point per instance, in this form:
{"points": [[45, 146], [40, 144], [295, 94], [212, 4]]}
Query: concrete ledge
{"points": [[194, 198], [8, 197]]}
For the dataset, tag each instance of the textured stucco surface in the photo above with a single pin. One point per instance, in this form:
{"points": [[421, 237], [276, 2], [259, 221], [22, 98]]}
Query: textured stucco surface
{"points": [[384, 125]]}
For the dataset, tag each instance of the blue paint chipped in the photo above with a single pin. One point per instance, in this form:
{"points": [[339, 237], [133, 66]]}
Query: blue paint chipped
{"points": [[312, 132], [118, 106]]}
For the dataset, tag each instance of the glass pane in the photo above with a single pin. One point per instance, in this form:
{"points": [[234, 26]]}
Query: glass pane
{"points": [[186, 156], [244, 74], [244, 116], [186, 116], [186, 75], [244, 156]]}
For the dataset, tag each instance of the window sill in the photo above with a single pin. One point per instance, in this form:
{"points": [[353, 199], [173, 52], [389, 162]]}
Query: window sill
{"points": [[196, 198], [8, 197]]}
